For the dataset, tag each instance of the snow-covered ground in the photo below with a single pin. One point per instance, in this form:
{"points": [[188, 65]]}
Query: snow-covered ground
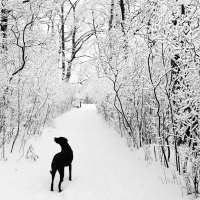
{"points": [[104, 168]]}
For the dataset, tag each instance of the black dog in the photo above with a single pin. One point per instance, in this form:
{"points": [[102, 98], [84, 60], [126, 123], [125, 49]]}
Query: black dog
{"points": [[61, 160]]}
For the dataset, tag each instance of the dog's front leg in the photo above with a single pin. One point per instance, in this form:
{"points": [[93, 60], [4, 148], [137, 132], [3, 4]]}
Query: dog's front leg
{"points": [[70, 172], [53, 173], [61, 172]]}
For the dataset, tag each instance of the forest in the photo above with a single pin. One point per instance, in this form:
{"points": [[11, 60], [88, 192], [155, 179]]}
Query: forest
{"points": [[137, 60]]}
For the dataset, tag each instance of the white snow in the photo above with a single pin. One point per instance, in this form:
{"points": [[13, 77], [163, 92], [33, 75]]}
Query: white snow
{"points": [[104, 168]]}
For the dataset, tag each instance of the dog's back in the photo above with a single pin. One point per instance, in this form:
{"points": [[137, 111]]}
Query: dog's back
{"points": [[63, 158]]}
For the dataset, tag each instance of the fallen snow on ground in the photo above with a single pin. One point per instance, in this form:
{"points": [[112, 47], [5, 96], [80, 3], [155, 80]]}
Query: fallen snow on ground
{"points": [[104, 168]]}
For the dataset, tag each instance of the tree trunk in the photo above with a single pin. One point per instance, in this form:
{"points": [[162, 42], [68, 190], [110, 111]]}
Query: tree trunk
{"points": [[74, 46], [111, 15], [122, 7], [18, 117], [63, 42], [123, 13], [4, 26]]}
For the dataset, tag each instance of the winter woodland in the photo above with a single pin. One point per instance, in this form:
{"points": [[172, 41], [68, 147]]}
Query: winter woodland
{"points": [[137, 60]]}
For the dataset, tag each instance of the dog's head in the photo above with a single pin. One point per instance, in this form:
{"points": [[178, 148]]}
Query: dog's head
{"points": [[62, 141]]}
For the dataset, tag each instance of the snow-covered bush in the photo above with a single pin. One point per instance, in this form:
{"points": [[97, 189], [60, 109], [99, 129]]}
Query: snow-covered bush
{"points": [[150, 60]]}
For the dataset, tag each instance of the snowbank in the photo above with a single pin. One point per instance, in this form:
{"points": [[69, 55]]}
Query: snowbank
{"points": [[104, 168]]}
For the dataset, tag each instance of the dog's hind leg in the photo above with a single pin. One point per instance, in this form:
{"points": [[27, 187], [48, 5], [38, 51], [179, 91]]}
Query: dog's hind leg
{"points": [[53, 173], [70, 172], [61, 172]]}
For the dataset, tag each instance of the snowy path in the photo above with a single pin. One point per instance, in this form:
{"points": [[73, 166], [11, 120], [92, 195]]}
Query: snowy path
{"points": [[103, 167]]}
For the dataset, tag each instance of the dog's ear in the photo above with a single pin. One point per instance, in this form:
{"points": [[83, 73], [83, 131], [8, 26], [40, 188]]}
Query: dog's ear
{"points": [[61, 140]]}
